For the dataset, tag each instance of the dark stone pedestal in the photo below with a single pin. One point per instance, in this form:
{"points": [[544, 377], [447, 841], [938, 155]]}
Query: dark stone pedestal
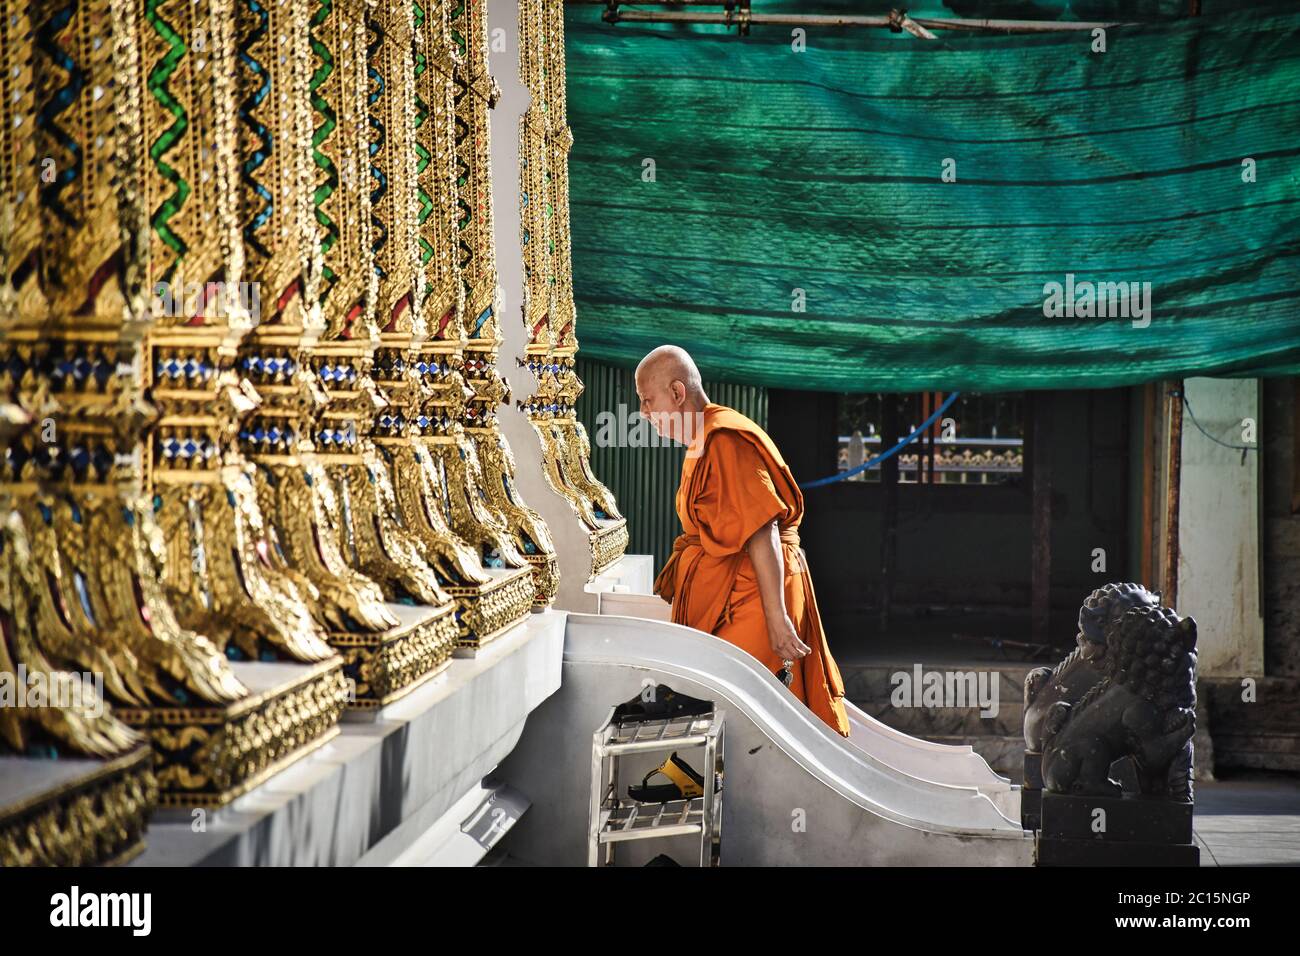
{"points": [[1055, 852], [1031, 814], [1031, 794], [1115, 831]]}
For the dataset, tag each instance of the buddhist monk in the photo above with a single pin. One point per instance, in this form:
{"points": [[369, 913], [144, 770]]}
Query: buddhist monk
{"points": [[737, 570]]}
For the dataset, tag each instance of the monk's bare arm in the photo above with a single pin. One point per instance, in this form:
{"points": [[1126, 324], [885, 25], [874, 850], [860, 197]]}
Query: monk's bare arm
{"points": [[764, 548]]}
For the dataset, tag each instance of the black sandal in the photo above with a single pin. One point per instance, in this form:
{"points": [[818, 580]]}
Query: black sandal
{"points": [[664, 704], [686, 783]]}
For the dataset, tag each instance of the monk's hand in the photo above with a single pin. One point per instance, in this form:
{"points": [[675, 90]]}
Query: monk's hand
{"points": [[785, 640]]}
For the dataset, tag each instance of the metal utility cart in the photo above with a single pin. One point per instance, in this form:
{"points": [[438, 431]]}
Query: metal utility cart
{"points": [[615, 819]]}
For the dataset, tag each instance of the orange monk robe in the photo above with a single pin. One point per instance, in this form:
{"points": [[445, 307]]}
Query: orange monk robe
{"points": [[734, 482]]}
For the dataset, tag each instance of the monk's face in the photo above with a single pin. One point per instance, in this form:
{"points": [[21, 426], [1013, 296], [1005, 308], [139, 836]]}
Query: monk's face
{"points": [[663, 404]]}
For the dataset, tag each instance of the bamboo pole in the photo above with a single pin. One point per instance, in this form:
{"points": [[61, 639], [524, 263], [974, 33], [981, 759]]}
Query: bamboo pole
{"points": [[889, 475], [1040, 567], [1173, 476], [1295, 449], [1148, 455]]}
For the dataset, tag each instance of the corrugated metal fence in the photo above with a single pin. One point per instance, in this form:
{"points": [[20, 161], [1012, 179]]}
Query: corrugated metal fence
{"points": [[644, 479]]}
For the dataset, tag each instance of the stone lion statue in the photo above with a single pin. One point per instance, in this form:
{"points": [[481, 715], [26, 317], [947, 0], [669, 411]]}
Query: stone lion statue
{"points": [[1082, 669], [1144, 707]]}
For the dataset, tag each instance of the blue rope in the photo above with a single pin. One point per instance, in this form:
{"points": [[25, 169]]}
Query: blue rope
{"points": [[883, 455]]}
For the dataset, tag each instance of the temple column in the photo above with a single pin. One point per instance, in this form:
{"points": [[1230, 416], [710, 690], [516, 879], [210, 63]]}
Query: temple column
{"points": [[530, 143]]}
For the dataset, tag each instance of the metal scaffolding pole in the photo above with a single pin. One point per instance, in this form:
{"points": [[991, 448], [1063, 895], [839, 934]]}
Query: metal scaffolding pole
{"points": [[738, 14]]}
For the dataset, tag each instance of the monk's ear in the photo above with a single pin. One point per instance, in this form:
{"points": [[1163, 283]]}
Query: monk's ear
{"points": [[679, 392]]}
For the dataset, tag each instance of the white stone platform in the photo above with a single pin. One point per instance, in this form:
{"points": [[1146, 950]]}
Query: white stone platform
{"points": [[630, 574], [414, 774]]}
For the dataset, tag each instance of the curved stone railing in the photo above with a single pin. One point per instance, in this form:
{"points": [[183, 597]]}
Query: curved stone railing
{"points": [[795, 792], [953, 765]]}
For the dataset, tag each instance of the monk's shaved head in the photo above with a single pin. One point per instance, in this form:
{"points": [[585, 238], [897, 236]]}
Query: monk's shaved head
{"points": [[668, 364], [670, 390]]}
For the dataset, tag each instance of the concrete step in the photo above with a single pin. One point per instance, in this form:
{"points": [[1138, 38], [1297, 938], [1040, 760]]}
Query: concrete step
{"points": [[1004, 754], [944, 700], [990, 720]]}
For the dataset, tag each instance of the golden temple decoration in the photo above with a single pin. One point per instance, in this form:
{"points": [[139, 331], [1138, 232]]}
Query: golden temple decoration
{"points": [[132, 534], [98, 819], [249, 333], [221, 572], [424, 450], [549, 310], [81, 548], [488, 464], [340, 359], [297, 433]]}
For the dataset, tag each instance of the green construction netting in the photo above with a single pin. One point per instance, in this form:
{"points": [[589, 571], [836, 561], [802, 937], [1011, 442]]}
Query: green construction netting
{"points": [[820, 171]]}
